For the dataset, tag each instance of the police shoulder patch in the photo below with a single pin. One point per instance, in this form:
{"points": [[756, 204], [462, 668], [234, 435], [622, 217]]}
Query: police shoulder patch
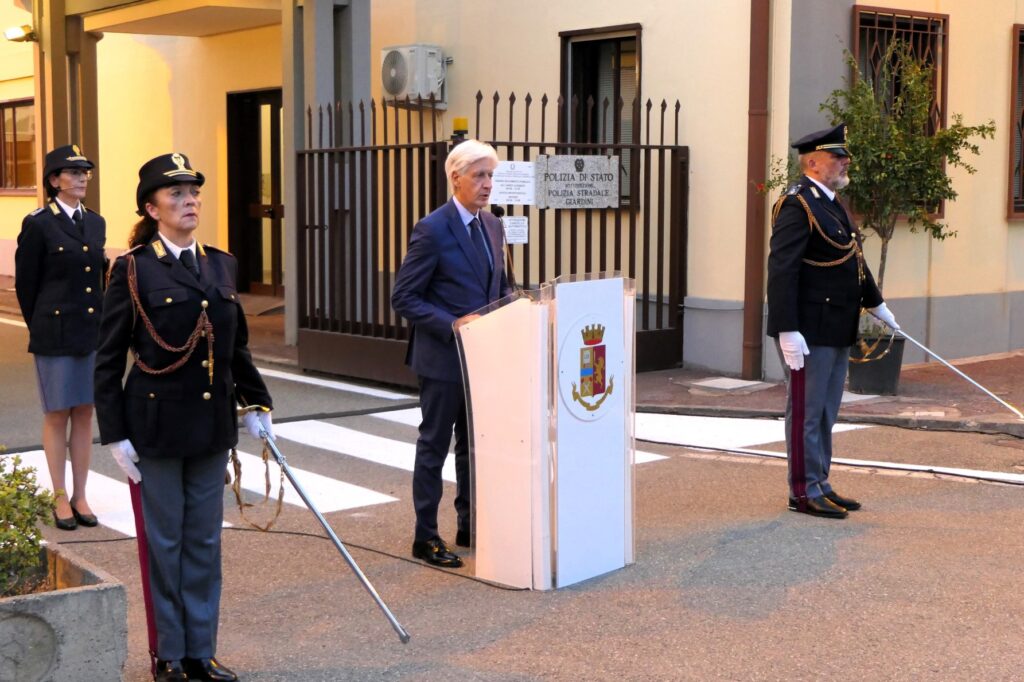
{"points": [[794, 189], [37, 211]]}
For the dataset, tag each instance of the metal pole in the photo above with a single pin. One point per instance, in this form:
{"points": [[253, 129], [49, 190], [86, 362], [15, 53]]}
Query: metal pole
{"points": [[935, 355], [283, 463]]}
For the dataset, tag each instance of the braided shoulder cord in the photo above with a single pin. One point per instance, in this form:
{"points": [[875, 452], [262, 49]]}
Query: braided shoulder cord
{"points": [[852, 248], [204, 328]]}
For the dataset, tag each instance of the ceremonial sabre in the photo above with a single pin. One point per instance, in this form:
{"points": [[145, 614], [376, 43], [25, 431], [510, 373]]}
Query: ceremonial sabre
{"points": [[935, 355], [283, 463]]}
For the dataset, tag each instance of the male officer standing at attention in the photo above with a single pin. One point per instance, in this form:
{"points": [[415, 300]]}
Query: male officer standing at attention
{"points": [[454, 266], [817, 283]]}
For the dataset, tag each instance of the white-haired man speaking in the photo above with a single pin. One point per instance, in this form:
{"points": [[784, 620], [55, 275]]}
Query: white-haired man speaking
{"points": [[454, 266]]}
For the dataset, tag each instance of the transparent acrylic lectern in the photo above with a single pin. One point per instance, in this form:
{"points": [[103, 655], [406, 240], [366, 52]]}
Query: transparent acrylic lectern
{"points": [[549, 378]]}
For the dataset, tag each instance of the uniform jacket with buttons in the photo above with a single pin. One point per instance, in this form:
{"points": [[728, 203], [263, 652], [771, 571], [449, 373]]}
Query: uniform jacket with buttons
{"points": [[59, 272], [822, 302], [179, 414]]}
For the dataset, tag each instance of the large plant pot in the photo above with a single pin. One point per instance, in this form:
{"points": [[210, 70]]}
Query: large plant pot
{"points": [[878, 377], [76, 633]]}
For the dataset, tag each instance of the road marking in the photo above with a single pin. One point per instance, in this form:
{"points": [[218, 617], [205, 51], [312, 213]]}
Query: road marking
{"points": [[335, 385], [13, 323], [387, 451], [716, 432], [413, 416], [327, 494]]}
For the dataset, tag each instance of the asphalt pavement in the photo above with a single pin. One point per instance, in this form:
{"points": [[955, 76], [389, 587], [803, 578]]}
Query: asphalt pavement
{"points": [[727, 585]]}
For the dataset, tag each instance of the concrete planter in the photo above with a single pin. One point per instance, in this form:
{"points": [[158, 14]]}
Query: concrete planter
{"points": [[76, 633]]}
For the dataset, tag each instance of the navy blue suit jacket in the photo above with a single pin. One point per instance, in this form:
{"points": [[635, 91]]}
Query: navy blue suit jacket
{"points": [[439, 282]]}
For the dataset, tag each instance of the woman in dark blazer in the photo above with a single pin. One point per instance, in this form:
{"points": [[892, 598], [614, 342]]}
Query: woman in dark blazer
{"points": [[173, 302], [58, 276]]}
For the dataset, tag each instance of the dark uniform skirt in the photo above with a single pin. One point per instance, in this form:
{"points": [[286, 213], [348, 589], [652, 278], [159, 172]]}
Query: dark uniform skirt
{"points": [[65, 380]]}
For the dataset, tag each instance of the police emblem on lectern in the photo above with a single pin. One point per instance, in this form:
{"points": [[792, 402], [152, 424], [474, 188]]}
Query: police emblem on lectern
{"points": [[586, 385]]}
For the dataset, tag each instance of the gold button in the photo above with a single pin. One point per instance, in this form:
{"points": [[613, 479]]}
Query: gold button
{"points": [[152, 395], [88, 268], [205, 304], [91, 311], [202, 333], [85, 248], [168, 300], [56, 312], [206, 396], [60, 248], [88, 290], [206, 363], [232, 297]]}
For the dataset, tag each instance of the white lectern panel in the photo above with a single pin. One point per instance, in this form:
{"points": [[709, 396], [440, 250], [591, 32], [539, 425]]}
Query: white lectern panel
{"points": [[593, 446], [505, 370]]}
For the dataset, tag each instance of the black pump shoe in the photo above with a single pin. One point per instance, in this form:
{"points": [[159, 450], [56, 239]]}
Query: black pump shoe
{"points": [[89, 520], [65, 524]]}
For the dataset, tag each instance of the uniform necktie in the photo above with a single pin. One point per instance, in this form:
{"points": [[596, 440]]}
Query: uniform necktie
{"points": [[476, 234], [79, 222], [189, 261]]}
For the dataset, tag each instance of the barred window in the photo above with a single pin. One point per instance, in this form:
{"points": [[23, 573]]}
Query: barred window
{"points": [[17, 155], [875, 28], [600, 68], [1016, 202]]}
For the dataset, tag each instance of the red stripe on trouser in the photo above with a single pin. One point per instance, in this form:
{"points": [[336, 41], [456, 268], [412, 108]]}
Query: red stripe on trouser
{"points": [[797, 471], [147, 598]]}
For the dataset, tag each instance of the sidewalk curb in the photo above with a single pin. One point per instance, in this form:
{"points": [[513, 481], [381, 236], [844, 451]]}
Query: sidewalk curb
{"points": [[1009, 428]]}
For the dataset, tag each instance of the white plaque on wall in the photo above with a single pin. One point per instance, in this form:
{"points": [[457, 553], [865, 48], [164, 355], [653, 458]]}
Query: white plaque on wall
{"points": [[513, 183]]}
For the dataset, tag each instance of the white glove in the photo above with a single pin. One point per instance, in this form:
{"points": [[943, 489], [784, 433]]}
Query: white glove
{"points": [[254, 419], [794, 348], [126, 457], [883, 313]]}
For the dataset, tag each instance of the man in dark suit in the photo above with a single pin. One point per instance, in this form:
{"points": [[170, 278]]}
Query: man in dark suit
{"points": [[817, 283], [454, 267]]}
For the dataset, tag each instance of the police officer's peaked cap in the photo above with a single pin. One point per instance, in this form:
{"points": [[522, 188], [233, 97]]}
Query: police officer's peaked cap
{"points": [[68, 156], [166, 169], [829, 140]]}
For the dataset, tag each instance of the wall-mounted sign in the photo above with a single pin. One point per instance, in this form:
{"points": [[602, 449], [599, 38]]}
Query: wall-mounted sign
{"points": [[513, 183], [577, 181], [517, 229]]}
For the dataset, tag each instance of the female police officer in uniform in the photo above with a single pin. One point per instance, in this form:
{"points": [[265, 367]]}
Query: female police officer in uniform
{"points": [[59, 267], [174, 304]]}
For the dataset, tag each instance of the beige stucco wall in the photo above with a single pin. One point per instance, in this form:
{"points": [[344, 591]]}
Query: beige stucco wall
{"points": [[694, 51], [161, 94]]}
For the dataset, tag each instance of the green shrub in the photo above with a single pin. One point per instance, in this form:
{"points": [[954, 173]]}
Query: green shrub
{"points": [[22, 504]]}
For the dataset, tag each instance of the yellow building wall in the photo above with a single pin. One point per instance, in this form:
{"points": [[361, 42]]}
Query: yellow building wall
{"points": [[162, 94], [515, 46], [985, 256]]}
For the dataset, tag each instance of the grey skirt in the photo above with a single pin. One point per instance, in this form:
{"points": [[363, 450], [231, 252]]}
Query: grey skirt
{"points": [[65, 380]]}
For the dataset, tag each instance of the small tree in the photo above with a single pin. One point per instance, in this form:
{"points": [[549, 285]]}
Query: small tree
{"points": [[899, 154], [22, 504]]}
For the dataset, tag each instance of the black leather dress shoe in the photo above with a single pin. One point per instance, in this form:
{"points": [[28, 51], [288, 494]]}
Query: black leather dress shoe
{"points": [[817, 506], [846, 503], [170, 671], [207, 669], [435, 552], [462, 538], [89, 520], [65, 524]]}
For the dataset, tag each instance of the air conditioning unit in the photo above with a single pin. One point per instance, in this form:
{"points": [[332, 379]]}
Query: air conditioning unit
{"points": [[414, 71]]}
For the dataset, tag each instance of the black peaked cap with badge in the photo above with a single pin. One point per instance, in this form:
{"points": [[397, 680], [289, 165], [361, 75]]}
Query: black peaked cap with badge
{"points": [[163, 170], [828, 140], [68, 156]]}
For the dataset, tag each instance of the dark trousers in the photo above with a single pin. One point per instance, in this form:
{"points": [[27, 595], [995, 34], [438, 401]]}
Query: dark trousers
{"points": [[444, 409], [824, 378], [183, 505]]}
